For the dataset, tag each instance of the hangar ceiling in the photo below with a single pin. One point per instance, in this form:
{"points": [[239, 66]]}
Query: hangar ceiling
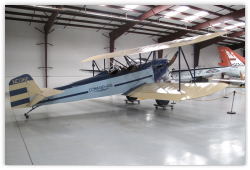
{"points": [[159, 22]]}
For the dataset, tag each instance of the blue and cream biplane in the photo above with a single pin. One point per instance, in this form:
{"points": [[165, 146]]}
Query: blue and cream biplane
{"points": [[136, 80]]}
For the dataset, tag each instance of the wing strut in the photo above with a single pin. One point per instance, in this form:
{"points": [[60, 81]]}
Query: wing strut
{"points": [[181, 52], [93, 65]]}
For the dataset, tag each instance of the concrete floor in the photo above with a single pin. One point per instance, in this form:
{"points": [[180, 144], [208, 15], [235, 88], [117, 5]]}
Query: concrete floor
{"points": [[106, 131]]}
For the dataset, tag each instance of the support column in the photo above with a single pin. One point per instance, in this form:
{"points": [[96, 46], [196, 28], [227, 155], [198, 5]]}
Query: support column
{"points": [[196, 54], [111, 47], [46, 59], [160, 52]]}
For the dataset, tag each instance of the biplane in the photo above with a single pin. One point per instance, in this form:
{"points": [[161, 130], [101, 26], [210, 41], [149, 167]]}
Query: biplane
{"points": [[137, 79]]}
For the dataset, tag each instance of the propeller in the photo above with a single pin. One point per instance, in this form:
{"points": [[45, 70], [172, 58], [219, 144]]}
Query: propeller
{"points": [[165, 77], [173, 59]]}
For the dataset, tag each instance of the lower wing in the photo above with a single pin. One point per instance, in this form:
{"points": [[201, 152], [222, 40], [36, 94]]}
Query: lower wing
{"points": [[169, 91]]}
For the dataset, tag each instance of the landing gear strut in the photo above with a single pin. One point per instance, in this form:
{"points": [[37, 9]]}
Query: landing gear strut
{"points": [[26, 114], [132, 99]]}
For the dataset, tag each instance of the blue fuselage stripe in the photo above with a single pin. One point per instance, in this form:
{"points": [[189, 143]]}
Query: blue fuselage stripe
{"points": [[18, 91], [132, 81], [63, 97], [20, 102]]}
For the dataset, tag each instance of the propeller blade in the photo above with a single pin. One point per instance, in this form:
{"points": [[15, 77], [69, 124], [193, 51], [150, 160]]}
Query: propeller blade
{"points": [[173, 59]]}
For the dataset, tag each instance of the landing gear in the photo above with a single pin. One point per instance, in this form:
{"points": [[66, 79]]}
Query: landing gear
{"points": [[132, 99], [26, 114], [163, 104]]}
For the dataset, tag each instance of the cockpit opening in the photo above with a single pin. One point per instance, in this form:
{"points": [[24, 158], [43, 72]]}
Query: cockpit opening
{"points": [[132, 68], [114, 70]]}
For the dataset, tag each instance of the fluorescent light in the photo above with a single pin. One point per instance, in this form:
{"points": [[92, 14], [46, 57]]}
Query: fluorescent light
{"points": [[170, 14], [229, 27], [182, 8], [228, 20], [190, 18], [201, 13], [129, 7], [216, 24], [239, 24]]}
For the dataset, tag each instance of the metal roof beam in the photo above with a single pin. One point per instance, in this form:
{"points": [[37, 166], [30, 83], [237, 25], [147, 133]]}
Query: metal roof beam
{"points": [[88, 22], [237, 46], [121, 30], [237, 34], [52, 19], [233, 15], [213, 41]]}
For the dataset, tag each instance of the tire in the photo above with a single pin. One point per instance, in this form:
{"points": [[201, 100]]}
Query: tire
{"points": [[131, 98], [162, 102]]}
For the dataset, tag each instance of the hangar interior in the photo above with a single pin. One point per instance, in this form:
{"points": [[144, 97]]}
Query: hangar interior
{"points": [[49, 43]]}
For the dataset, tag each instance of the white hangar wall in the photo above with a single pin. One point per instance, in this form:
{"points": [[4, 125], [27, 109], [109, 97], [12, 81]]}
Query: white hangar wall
{"points": [[70, 47]]}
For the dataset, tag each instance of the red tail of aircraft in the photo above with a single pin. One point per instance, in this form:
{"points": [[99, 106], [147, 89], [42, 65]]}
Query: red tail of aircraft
{"points": [[230, 57]]}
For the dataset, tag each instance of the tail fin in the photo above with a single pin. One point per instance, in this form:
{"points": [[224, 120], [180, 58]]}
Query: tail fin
{"points": [[22, 88], [230, 57]]}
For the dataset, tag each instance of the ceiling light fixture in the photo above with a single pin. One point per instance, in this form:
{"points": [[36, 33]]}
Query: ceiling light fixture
{"points": [[240, 24], [129, 7], [182, 8], [170, 14], [201, 13], [190, 18]]}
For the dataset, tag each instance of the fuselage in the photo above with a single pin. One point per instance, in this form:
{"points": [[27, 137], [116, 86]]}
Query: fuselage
{"points": [[232, 71], [235, 71], [105, 84]]}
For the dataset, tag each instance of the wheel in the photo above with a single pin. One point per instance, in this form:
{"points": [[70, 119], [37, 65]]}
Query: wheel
{"points": [[26, 115], [162, 102], [131, 98], [156, 107]]}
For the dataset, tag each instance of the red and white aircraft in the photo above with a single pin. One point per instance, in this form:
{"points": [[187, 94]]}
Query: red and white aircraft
{"points": [[236, 63]]}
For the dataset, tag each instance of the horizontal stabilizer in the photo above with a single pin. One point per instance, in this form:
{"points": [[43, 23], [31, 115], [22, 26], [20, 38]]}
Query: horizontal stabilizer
{"points": [[46, 92], [169, 91]]}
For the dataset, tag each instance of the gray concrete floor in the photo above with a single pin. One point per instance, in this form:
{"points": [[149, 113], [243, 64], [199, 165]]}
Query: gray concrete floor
{"points": [[107, 131]]}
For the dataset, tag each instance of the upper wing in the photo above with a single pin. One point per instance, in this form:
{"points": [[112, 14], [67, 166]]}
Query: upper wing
{"points": [[169, 91], [155, 47]]}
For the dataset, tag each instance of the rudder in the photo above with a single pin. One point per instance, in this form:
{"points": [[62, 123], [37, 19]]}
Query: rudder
{"points": [[20, 90], [230, 57]]}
